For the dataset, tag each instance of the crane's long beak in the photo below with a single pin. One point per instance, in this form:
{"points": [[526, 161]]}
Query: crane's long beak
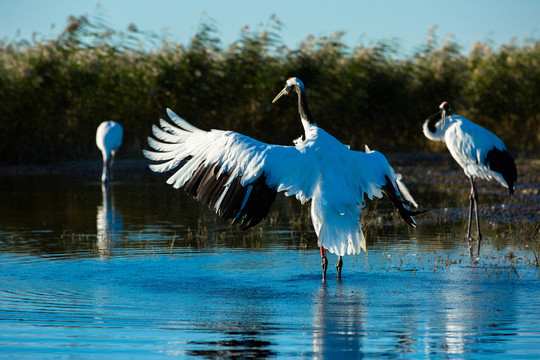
{"points": [[443, 117], [283, 92]]}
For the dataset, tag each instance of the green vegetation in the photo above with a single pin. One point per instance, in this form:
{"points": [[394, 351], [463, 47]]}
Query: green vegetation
{"points": [[55, 92]]}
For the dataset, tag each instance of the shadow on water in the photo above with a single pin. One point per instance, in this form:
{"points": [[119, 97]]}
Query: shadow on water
{"points": [[135, 269]]}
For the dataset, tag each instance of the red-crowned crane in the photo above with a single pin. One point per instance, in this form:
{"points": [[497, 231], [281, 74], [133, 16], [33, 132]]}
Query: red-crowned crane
{"points": [[478, 151], [239, 177], [108, 139]]}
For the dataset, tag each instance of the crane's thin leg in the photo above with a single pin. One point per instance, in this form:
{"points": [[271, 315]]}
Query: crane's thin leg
{"points": [[471, 205], [339, 265], [324, 262], [105, 171], [474, 204], [475, 197]]}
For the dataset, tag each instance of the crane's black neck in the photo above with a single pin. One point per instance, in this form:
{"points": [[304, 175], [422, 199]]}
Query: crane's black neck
{"points": [[433, 120], [303, 108]]}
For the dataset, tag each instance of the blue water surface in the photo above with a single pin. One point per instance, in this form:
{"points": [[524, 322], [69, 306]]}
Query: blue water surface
{"points": [[139, 270]]}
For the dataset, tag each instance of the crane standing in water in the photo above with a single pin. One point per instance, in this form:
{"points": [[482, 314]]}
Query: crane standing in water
{"points": [[108, 139], [239, 177], [478, 151]]}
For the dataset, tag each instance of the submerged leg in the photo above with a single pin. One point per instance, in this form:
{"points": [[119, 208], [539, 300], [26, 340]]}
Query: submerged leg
{"points": [[339, 265], [324, 262]]}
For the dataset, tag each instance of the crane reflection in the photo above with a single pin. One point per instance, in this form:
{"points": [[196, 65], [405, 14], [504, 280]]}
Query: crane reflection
{"points": [[338, 323], [108, 221]]}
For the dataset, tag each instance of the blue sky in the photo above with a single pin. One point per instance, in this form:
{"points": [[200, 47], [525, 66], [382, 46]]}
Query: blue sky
{"points": [[492, 21]]}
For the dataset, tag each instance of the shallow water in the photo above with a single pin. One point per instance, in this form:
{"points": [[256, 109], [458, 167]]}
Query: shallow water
{"points": [[139, 270]]}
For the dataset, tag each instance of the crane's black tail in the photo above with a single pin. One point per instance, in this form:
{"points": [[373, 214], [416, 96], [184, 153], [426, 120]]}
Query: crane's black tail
{"points": [[502, 162], [397, 199]]}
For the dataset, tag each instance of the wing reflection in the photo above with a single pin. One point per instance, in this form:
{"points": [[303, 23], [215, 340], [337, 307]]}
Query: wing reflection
{"points": [[338, 323], [108, 221]]}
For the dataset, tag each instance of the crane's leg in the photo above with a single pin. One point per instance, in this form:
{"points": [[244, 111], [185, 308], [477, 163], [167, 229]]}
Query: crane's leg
{"points": [[475, 197], [324, 262], [339, 265], [474, 204], [105, 171], [471, 205]]}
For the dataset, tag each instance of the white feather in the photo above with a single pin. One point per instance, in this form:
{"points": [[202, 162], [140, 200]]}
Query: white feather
{"points": [[404, 191], [181, 122]]}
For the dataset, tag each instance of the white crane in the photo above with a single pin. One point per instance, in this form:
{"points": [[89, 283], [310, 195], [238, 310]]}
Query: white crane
{"points": [[108, 139], [478, 151], [239, 177]]}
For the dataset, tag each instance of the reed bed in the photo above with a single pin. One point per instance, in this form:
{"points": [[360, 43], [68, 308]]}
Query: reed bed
{"points": [[55, 91]]}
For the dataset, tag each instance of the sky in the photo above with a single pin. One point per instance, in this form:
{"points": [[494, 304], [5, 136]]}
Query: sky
{"points": [[405, 22]]}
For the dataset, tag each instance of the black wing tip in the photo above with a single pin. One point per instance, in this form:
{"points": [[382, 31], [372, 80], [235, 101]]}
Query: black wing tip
{"points": [[407, 215], [208, 183], [258, 204], [399, 203]]}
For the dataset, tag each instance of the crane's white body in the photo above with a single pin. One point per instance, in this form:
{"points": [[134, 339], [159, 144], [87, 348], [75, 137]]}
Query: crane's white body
{"points": [[469, 144], [109, 136], [479, 152], [318, 168]]}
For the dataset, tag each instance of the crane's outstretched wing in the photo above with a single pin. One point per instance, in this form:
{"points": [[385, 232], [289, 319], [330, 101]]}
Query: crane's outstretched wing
{"points": [[233, 174], [376, 176]]}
